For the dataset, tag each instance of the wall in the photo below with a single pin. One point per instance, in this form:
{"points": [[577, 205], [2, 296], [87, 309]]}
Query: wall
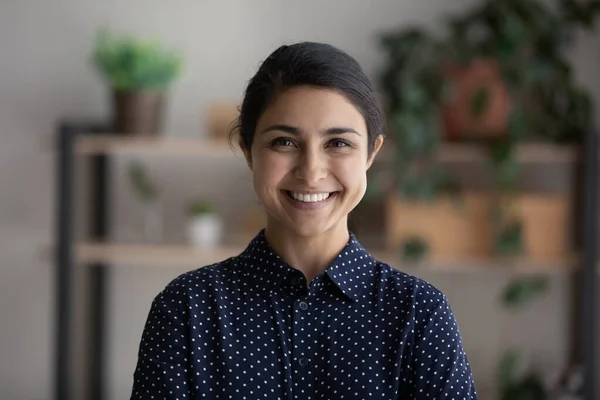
{"points": [[46, 76]]}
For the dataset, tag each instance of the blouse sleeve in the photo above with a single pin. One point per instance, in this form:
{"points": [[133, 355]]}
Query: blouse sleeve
{"points": [[162, 365], [439, 368]]}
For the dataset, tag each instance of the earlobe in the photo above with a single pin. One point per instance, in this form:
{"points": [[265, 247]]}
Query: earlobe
{"points": [[247, 154], [248, 158], [376, 148]]}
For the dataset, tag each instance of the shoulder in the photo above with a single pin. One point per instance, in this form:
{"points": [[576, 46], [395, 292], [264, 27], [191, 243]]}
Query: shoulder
{"points": [[427, 307], [417, 291], [201, 281]]}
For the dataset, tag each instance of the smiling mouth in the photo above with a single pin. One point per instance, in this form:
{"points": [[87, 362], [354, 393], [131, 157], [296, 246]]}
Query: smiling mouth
{"points": [[309, 198]]}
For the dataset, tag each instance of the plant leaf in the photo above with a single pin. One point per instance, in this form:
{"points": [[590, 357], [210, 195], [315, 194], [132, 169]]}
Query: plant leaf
{"points": [[507, 369], [523, 290], [414, 249], [479, 101]]}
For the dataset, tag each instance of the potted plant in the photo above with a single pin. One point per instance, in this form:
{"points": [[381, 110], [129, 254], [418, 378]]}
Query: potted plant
{"points": [[497, 74], [204, 224], [139, 73], [147, 193]]}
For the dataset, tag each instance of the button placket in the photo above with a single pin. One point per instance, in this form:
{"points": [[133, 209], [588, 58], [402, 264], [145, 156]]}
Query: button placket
{"points": [[303, 361], [301, 335]]}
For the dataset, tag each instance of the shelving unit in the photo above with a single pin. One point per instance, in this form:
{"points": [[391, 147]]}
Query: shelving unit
{"points": [[184, 256], [531, 153], [174, 146], [98, 145], [177, 256], [199, 147]]}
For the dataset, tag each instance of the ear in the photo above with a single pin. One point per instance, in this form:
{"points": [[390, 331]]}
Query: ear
{"points": [[247, 155], [376, 148]]}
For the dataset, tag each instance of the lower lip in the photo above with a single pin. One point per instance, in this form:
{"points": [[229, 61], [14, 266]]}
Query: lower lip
{"points": [[300, 205]]}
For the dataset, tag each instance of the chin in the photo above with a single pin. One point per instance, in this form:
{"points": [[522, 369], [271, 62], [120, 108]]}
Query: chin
{"points": [[309, 231], [314, 229]]}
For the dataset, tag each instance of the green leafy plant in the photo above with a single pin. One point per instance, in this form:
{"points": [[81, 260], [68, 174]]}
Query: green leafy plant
{"points": [[141, 183], [201, 207], [526, 40], [131, 64], [516, 384], [414, 87], [508, 232], [414, 249], [521, 291]]}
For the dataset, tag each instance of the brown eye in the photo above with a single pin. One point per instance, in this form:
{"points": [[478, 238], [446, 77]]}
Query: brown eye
{"points": [[338, 143], [282, 142]]}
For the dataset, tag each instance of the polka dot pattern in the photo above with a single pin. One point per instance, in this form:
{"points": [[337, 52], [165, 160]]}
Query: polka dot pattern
{"points": [[251, 327]]}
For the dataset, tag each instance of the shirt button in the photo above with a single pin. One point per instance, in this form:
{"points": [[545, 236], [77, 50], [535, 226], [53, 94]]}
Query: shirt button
{"points": [[303, 361], [303, 305]]}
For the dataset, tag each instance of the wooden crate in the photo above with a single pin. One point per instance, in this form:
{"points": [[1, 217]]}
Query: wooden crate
{"points": [[452, 233], [547, 226]]}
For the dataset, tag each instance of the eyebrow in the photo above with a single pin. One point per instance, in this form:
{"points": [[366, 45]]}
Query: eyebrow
{"points": [[296, 131]]}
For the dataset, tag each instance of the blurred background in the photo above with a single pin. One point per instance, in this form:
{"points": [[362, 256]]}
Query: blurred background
{"points": [[478, 189]]}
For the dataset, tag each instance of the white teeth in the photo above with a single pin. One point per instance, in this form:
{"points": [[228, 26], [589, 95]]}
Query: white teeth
{"points": [[310, 198]]}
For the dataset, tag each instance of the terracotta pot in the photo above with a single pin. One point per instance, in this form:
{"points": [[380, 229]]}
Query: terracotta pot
{"points": [[138, 113], [466, 82]]}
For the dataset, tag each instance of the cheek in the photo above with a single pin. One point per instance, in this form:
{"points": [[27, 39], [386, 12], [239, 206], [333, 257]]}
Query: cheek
{"points": [[352, 174], [269, 171]]}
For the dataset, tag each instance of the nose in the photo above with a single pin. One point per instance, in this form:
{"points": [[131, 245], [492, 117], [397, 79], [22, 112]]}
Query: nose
{"points": [[311, 167]]}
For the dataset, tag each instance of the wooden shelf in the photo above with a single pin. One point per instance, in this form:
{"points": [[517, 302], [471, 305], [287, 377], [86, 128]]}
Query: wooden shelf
{"points": [[473, 153], [202, 147], [155, 146], [182, 256], [153, 255], [526, 153]]}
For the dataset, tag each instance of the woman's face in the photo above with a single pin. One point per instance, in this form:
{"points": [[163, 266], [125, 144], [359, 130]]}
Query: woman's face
{"points": [[309, 159]]}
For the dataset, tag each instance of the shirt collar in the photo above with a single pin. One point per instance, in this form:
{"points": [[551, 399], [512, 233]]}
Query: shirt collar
{"points": [[351, 271]]}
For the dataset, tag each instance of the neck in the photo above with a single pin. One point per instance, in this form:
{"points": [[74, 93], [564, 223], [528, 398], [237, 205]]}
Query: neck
{"points": [[309, 254]]}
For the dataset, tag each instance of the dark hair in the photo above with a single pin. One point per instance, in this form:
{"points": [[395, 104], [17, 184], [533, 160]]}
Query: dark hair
{"points": [[311, 64]]}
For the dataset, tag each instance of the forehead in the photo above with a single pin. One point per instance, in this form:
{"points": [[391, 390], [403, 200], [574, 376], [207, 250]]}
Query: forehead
{"points": [[313, 109]]}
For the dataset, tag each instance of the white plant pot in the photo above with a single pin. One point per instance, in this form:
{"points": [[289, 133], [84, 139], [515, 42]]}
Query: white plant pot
{"points": [[205, 230]]}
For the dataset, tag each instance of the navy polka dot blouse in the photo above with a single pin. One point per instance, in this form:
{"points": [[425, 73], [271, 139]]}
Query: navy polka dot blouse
{"points": [[251, 327]]}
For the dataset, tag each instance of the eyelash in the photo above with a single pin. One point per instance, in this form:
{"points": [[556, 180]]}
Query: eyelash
{"points": [[344, 142], [279, 142]]}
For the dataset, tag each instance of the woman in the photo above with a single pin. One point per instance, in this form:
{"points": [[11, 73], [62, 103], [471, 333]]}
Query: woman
{"points": [[304, 312]]}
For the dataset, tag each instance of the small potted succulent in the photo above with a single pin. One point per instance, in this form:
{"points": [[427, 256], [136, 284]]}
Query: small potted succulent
{"points": [[204, 224], [139, 72]]}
